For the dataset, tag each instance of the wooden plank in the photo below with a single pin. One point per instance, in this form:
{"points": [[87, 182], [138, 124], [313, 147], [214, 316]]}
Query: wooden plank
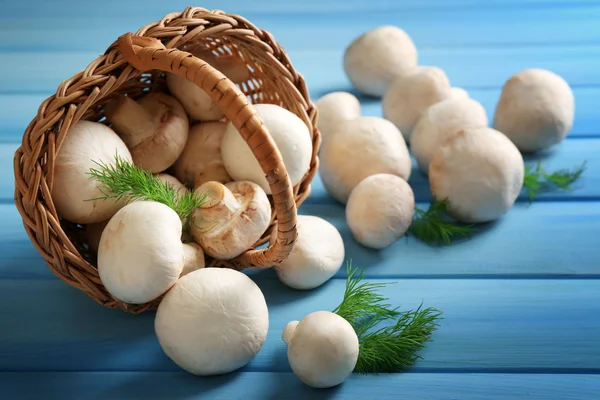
{"points": [[488, 326], [528, 242], [273, 385], [470, 68], [303, 28], [570, 154]]}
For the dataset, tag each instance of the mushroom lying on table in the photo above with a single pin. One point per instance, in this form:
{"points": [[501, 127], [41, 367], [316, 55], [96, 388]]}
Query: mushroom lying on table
{"points": [[213, 321], [232, 219], [316, 257], [335, 109], [291, 136], [201, 160], [155, 128], [479, 172], [375, 57], [140, 254], [323, 349], [442, 120], [72, 189], [536, 109], [410, 94], [369, 145], [380, 210]]}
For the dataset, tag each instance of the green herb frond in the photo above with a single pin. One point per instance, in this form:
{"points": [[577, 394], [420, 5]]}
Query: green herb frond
{"points": [[433, 226], [390, 348], [537, 180], [125, 180]]}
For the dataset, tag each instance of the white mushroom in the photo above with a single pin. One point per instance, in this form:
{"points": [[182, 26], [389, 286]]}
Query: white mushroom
{"points": [[536, 110], [176, 184], [373, 59], [380, 210], [140, 255], [201, 160], [291, 136], [334, 109], [232, 219], [442, 120], [85, 144], [213, 321], [195, 100], [458, 92], [322, 350], [480, 172], [409, 95], [155, 128], [369, 145], [193, 258], [316, 257]]}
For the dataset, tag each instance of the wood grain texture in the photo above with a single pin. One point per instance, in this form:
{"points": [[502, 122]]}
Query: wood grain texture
{"points": [[488, 326], [285, 386], [530, 241], [309, 27]]}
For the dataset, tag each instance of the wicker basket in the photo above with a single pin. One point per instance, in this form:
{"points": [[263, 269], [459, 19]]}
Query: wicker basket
{"points": [[136, 64]]}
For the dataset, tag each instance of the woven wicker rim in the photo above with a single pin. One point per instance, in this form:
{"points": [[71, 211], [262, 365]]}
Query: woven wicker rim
{"points": [[131, 65]]}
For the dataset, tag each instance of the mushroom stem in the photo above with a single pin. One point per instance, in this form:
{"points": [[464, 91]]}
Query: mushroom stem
{"points": [[289, 330], [220, 204], [132, 121]]}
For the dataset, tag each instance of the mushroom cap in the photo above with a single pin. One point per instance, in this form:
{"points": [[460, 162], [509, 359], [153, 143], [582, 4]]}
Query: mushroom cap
{"points": [[291, 136], [213, 321], [161, 150], [193, 258], [456, 91], [232, 220], [316, 257], [85, 143], [380, 210], [442, 120], [140, 254], [323, 349], [201, 159], [175, 183], [480, 172], [373, 59], [195, 100], [336, 108], [536, 109], [369, 145], [410, 94]]}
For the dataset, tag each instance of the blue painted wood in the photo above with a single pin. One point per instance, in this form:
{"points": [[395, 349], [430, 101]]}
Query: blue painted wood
{"points": [[467, 67], [489, 326], [280, 386], [307, 28], [528, 242]]}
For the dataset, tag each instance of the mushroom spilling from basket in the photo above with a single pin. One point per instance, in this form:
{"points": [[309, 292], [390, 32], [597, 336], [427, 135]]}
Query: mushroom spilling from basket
{"points": [[172, 183]]}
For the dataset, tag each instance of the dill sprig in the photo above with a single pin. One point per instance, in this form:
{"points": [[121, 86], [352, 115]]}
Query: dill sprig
{"points": [[537, 180], [125, 180], [390, 348], [433, 226]]}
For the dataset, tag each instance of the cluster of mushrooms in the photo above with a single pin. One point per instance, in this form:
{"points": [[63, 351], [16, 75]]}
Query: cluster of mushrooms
{"points": [[477, 168], [209, 320]]}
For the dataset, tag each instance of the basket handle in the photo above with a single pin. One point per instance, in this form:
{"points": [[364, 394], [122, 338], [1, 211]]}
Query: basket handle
{"points": [[145, 54]]}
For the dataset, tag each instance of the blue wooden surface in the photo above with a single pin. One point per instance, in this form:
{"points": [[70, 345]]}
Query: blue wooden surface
{"points": [[521, 299]]}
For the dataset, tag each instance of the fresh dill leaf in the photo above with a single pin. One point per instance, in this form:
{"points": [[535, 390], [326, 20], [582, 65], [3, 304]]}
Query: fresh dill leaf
{"points": [[395, 347], [361, 300], [125, 180], [537, 180], [392, 347], [433, 226]]}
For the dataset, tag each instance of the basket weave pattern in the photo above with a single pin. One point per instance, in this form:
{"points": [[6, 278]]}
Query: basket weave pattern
{"points": [[134, 65]]}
